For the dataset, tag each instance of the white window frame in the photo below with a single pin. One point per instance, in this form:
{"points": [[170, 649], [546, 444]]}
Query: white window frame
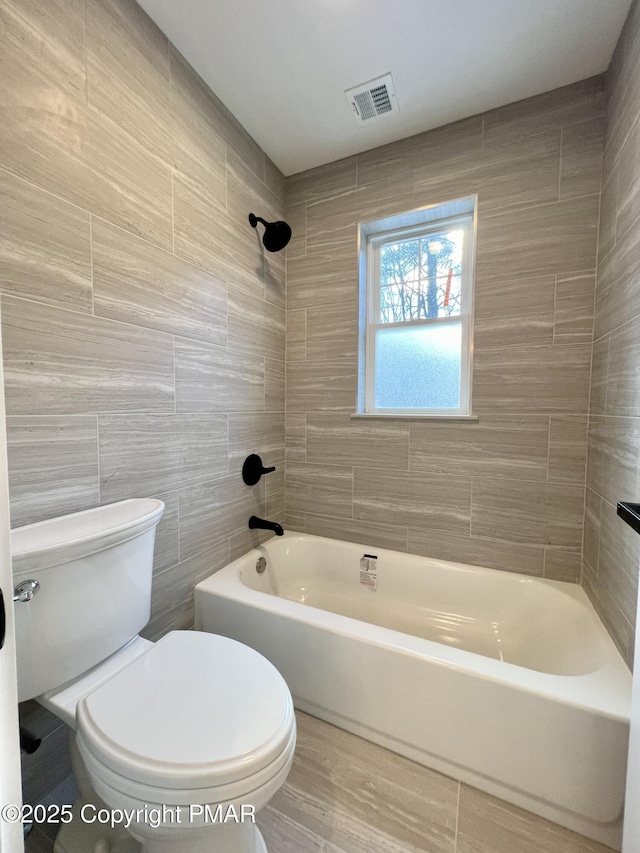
{"points": [[460, 213]]}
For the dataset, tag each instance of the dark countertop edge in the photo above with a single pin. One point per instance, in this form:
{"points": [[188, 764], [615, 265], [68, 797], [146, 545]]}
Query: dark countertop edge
{"points": [[630, 512]]}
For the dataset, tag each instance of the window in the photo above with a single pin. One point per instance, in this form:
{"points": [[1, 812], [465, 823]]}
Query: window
{"points": [[416, 298]]}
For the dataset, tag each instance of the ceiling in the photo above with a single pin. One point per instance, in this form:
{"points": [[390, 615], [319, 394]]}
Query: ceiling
{"points": [[281, 66]]}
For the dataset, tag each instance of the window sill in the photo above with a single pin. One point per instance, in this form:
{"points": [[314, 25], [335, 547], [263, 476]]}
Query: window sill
{"points": [[416, 417]]}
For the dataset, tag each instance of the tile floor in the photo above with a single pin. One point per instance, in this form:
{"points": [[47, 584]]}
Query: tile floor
{"points": [[346, 795]]}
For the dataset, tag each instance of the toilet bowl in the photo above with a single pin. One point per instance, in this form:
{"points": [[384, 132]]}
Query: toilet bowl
{"points": [[179, 743]]}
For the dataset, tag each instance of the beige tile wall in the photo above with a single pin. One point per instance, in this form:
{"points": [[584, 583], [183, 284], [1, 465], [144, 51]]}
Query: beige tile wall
{"points": [[143, 325], [508, 490], [611, 549]]}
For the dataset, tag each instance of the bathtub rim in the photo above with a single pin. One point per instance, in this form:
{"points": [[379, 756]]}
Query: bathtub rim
{"points": [[606, 690]]}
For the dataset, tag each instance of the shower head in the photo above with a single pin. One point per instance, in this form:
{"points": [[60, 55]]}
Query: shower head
{"points": [[276, 234]]}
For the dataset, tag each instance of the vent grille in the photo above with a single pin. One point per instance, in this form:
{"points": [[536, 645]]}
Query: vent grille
{"points": [[373, 99]]}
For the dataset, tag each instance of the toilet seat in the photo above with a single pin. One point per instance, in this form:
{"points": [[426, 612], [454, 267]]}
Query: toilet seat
{"points": [[197, 718]]}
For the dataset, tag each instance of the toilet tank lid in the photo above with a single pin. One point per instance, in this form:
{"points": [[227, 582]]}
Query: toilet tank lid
{"points": [[45, 544]]}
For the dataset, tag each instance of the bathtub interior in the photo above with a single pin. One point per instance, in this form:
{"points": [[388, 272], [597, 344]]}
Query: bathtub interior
{"points": [[543, 625]]}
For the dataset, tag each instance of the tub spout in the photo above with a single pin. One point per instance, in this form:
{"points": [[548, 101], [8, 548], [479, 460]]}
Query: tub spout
{"points": [[261, 524]]}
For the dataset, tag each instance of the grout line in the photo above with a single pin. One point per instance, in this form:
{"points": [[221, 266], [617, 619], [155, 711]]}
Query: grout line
{"points": [[93, 307], [228, 417], [560, 168], [41, 189], [548, 448], [97, 417], [173, 217], [306, 226], [85, 52], [91, 214], [305, 322], [455, 836], [226, 302], [169, 68], [179, 524], [617, 328], [593, 329], [175, 395], [226, 178], [133, 234], [616, 205], [535, 205], [606, 379], [555, 307], [596, 568], [151, 329], [306, 432]]}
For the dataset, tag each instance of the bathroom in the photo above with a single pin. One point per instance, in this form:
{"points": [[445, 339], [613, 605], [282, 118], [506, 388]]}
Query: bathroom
{"points": [[150, 344]]}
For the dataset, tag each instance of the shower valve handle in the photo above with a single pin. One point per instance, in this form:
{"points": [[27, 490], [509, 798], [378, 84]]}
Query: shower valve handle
{"points": [[253, 469]]}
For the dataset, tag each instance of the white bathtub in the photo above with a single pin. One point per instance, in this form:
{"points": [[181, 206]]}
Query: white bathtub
{"points": [[503, 681]]}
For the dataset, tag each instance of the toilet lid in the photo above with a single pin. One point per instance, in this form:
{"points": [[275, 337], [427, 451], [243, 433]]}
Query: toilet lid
{"points": [[196, 710]]}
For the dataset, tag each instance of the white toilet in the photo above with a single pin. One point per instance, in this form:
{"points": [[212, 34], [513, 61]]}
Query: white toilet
{"points": [[186, 738]]}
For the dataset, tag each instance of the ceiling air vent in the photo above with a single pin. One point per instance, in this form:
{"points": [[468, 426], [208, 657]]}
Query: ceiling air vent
{"points": [[372, 100]]}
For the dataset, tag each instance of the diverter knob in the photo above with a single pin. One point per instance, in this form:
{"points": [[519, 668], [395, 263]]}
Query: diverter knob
{"points": [[253, 469]]}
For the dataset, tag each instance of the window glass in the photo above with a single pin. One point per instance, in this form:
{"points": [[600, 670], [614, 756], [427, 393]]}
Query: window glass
{"points": [[416, 312], [421, 277], [418, 367]]}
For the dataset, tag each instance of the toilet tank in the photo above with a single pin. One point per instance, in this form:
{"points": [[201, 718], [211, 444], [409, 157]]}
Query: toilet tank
{"points": [[94, 571]]}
